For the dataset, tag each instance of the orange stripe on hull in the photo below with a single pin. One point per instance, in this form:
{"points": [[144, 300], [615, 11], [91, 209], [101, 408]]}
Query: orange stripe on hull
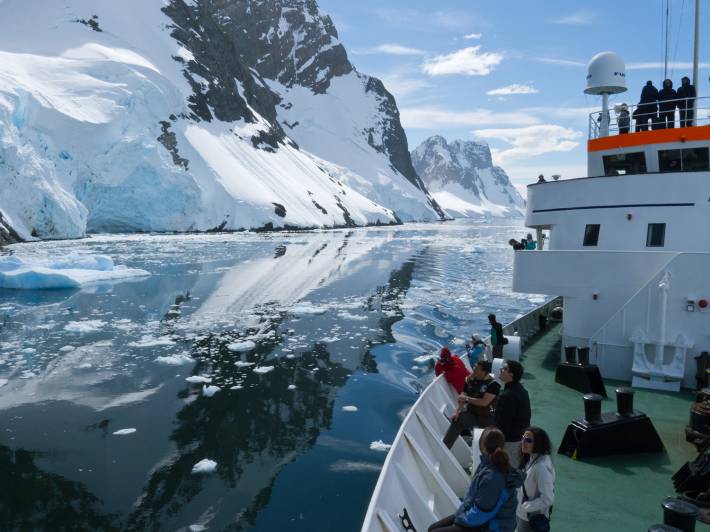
{"points": [[640, 138]]}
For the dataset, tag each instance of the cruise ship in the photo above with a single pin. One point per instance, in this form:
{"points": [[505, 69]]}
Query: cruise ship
{"points": [[624, 255]]}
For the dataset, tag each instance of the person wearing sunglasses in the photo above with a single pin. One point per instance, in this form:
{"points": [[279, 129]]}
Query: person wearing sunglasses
{"points": [[491, 499], [512, 413], [536, 496]]}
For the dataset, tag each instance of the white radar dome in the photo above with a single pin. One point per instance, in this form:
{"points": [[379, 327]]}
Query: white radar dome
{"points": [[606, 74]]}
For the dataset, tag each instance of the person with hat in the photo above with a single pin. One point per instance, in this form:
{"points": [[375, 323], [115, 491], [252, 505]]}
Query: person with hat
{"points": [[647, 109], [453, 368], [667, 97], [474, 349], [624, 120], [686, 91]]}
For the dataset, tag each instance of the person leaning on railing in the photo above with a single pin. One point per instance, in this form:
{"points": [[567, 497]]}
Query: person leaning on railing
{"points": [[666, 105], [647, 108]]}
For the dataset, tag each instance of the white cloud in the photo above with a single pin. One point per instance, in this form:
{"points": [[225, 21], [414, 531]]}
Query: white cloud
{"points": [[391, 49], [470, 36], [436, 117], [468, 61], [581, 18], [515, 88], [656, 65], [530, 141], [400, 84], [561, 62]]}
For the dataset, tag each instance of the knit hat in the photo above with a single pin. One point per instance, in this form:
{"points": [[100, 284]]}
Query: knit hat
{"points": [[445, 354]]}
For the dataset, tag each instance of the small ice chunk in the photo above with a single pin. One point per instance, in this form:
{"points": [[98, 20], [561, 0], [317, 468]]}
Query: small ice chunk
{"points": [[123, 432], [242, 364], [197, 528], [291, 386], [28, 351], [174, 360], [151, 341], [3, 382], [263, 369], [85, 326], [238, 347], [204, 466], [349, 408], [209, 391], [66, 348], [381, 446], [199, 379], [85, 365], [424, 358], [236, 387], [307, 310]]}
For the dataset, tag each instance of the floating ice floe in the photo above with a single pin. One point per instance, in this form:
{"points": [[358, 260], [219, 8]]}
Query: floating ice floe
{"points": [[174, 360], [3, 382], [422, 359], [84, 326], [85, 365], [66, 348], [263, 369], [350, 408], [291, 386], [123, 432], [242, 364], [307, 310], [381, 446], [351, 316], [71, 271], [199, 379], [209, 391], [236, 387], [151, 341], [197, 528], [204, 466], [239, 347]]}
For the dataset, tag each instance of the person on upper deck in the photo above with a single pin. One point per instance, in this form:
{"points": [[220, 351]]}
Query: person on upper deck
{"points": [[531, 244], [512, 414], [666, 105], [624, 120], [517, 246], [686, 106], [647, 108], [476, 404], [453, 368]]}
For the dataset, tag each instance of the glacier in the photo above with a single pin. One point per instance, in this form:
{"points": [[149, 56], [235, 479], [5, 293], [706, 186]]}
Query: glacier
{"points": [[116, 118]]}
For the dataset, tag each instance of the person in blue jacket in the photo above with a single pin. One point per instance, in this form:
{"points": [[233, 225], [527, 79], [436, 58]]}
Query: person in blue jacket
{"points": [[491, 500]]}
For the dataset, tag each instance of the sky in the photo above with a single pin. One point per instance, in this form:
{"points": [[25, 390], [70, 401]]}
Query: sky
{"points": [[512, 73]]}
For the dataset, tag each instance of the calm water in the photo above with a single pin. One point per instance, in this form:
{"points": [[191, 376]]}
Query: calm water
{"points": [[339, 317]]}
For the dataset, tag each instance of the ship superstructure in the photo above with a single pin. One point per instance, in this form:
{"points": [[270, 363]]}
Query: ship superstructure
{"points": [[628, 245]]}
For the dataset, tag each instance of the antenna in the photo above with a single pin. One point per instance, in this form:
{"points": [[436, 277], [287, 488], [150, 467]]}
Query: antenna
{"points": [[606, 74]]}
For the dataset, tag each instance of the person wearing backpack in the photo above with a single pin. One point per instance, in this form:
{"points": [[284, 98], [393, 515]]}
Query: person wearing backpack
{"points": [[497, 338], [536, 495], [491, 499]]}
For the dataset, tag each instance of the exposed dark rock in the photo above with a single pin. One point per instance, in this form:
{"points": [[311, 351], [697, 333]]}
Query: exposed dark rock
{"points": [[92, 23], [168, 139], [280, 210], [7, 234], [319, 207], [349, 222]]}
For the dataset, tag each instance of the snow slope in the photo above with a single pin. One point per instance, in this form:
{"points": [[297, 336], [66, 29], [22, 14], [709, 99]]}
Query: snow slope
{"points": [[461, 177], [115, 117]]}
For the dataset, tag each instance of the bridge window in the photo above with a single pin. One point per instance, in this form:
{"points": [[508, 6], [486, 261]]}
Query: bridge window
{"points": [[686, 160], [624, 163], [656, 235], [591, 235]]}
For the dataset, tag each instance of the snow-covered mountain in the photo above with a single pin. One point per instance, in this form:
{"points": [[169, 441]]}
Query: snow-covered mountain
{"points": [[181, 115], [461, 177]]}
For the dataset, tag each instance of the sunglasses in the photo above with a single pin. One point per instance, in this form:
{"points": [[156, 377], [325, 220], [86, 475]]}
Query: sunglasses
{"points": [[528, 440]]}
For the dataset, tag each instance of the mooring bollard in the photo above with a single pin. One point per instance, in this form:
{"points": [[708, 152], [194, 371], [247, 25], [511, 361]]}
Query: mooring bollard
{"points": [[624, 401], [571, 354], [680, 514], [593, 408], [583, 353]]}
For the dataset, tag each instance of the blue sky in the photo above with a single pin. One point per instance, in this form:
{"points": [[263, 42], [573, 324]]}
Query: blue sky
{"points": [[512, 73]]}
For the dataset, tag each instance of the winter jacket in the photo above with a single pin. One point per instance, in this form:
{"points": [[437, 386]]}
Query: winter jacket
{"points": [[491, 499], [497, 328], [455, 372], [665, 94], [648, 105], [624, 120], [685, 91], [513, 411], [539, 485], [649, 94]]}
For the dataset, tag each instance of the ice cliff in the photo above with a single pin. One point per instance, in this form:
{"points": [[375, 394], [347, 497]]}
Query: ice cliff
{"points": [[463, 180], [192, 115]]}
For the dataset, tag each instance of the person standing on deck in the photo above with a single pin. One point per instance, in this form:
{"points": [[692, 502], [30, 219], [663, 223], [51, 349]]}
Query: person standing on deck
{"points": [[687, 105], [475, 405], [512, 414], [666, 105], [496, 336], [453, 368], [624, 120], [647, 108], [537, 494]]}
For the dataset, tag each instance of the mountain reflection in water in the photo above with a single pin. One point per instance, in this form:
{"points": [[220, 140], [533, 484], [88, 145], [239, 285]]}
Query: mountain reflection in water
{"points": [[339, 316]]}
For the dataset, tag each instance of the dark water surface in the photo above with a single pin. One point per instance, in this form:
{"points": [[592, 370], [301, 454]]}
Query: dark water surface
{"points": [[338, 316]]}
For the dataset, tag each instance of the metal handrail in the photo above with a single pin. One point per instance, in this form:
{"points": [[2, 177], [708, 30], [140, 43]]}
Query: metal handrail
{"points": [[701, 116]]}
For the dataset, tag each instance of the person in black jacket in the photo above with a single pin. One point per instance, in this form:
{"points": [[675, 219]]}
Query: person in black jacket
{"points": [[666, 105], [686, 106], [647, 108], [497, 339], [512, 414]]}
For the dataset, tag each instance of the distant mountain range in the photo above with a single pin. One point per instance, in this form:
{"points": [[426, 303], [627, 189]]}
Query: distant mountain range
{"points": [[463, 180]]}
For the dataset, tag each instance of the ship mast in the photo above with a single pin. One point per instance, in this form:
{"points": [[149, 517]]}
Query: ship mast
{"points": [[695, 58]]}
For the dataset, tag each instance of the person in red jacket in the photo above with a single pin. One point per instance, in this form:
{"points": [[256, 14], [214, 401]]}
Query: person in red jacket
{"points": [[453, 368]]}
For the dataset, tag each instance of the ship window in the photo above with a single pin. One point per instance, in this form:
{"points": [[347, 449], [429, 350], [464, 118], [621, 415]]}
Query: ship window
{"points": [[656, 235], [624, 163], [591, 235], [687, 160]]}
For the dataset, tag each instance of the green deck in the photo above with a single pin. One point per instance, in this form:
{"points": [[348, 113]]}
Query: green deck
{"points": [[612, 493]]}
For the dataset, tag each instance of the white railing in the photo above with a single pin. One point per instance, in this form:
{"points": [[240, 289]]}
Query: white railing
{"points": [[636, 116], [420, 475]]}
